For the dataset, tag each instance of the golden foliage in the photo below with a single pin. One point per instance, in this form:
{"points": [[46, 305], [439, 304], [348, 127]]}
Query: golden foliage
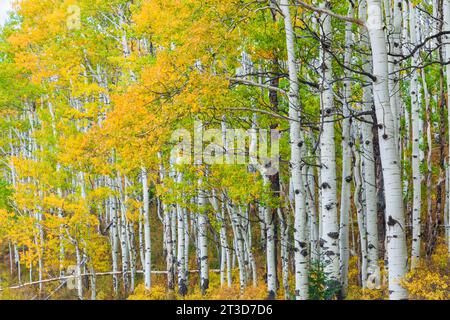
{"points": [[431, 280]]}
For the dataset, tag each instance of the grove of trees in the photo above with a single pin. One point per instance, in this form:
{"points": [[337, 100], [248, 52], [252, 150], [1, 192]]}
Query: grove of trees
{"points": [[211, 149]]}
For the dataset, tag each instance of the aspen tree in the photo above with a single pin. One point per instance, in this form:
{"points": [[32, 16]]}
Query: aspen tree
{"points": [[147, 239], [395, 218], [362, 222], [169, 234], [181, 254], [202, 229], [296, 142], [368, 162], [330, 234], [346, 162], [225, 249], [446, 28], [416, 136]]}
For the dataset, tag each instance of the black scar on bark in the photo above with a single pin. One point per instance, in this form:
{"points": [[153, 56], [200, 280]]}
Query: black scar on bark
{"points": [[304, 252], [348, 179], [302, 245], [329, 207], [325, 185], [297, 191], [391, 221], [205, 285], [329, 253], [333, 235]]}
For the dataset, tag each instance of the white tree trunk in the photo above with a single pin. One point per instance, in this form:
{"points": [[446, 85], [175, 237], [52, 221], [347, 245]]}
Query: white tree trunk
{"points": [[395, 219], [270, 252], [284, 238], [170, 244], [396, 49], [202, 239], [310, 190], [405, 111], [114, 241], [358, 200], [330, 233], [346, 162], [169, 230], [187, 243], [447, 210], [311, 205], [247, 232], [181, 256], [368, 163], [123, 236], [224, 246], [78, 278], [446, 28], [147, 239], [238, 245], [416, 136], [300, 224]]}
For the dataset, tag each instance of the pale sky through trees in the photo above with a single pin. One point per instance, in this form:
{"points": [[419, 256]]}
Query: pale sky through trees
{"points": [[5, 6]]}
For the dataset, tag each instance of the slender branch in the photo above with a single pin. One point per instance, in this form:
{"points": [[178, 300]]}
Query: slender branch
{"points": [[330, 13], [255, 84]]}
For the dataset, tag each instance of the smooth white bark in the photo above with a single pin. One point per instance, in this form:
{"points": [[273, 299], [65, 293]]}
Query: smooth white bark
{"points": [[368, 163], [300, 240], [181, 257], [416, 136], [346, 162], [446, 40], [330, 234], [395, 218], [358, 199], [147, 238], [202, 239]]}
